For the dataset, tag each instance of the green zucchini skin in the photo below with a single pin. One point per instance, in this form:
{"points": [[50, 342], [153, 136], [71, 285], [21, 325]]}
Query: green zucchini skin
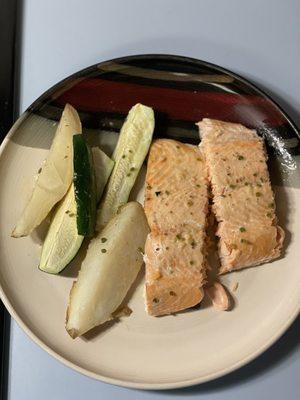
{"points": [[85, 187]]}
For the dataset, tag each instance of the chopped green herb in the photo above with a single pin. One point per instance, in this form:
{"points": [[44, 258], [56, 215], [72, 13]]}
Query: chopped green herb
{"points": [[190, 203], [40, 170], [132, 169], [261, 161], [157, 193], [167, 192], [199, 159], [140, 249], [198, 185], [123, 156], [246, 183], [269, 215], [149, 187], [130, 151], [258, 194], [245, 241], [179, 237], [240, 157], [129, 174], [232, 186], [155, 300], [192, 262], [65, 156], [255, 174], [271, 205], [242, 229], [193, 244], [71, 214], [103, 240], [103, 250], [177, 147], [67, 212]]}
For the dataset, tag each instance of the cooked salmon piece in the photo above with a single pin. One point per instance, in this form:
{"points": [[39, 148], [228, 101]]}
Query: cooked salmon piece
{"points": [[176, 205], [243, 200]]}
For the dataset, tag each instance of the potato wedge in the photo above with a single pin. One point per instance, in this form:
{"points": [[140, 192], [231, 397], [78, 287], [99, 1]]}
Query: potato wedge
{"points": [[112, 263], [55, 177]]}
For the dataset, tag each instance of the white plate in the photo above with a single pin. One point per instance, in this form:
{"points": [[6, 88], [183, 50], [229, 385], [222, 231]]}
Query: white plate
{"points": [[139, 351]]}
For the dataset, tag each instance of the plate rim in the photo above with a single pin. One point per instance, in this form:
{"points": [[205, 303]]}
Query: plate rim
{"points": [[127, 383]]}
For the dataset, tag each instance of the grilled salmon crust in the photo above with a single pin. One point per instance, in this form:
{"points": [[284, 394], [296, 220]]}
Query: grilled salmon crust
{"points": [[176, 205], [243, 200]]}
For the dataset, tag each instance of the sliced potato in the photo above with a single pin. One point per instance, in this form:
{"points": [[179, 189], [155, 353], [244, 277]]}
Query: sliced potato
{"points": [[55, 177], [112, 263], [129, 155]]}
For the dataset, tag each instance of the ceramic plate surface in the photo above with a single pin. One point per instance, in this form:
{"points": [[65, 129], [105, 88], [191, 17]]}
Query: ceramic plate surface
{"points": [[142, 351]]}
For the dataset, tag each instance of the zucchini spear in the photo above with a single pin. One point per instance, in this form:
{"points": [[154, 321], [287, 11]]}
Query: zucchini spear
{"points": [[63, 241], [129, 155]]}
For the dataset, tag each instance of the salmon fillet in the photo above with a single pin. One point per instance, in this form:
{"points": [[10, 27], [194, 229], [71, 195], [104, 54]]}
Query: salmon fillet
{"points": [[243, 200], [176, 204]]}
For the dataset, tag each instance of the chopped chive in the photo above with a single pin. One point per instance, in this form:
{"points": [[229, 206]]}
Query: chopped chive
{"points": [[198, 185], [103, 250], [192, 262], [132, 169], [271, 205], [129, 174], [190, 203], [255, 174], [103, 240], [123, 156], [258, 194], [232, 186], [167, 192], [242, 229], [67, 212], [269, 215], [240, 157], [40, 170]]}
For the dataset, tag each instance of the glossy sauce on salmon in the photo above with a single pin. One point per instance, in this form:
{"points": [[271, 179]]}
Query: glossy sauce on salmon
{"points": [[176, 205], [243, 200]]}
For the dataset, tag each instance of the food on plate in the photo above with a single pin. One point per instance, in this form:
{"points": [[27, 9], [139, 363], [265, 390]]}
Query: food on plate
{"points": [[103, 167], [218, 296], [63, 240], [55, 176], [129, 155], [84, 187], [111, 265], [176, 206], [243, 200]]}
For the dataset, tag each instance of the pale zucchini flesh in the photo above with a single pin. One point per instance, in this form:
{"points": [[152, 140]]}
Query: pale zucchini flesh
{"points": [[63, 241], [55, 177], [131, 150], [111, 265], [103, 166]]}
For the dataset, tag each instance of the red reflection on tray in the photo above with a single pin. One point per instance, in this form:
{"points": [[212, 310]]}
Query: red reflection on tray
{"points": [[100, 95]]}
